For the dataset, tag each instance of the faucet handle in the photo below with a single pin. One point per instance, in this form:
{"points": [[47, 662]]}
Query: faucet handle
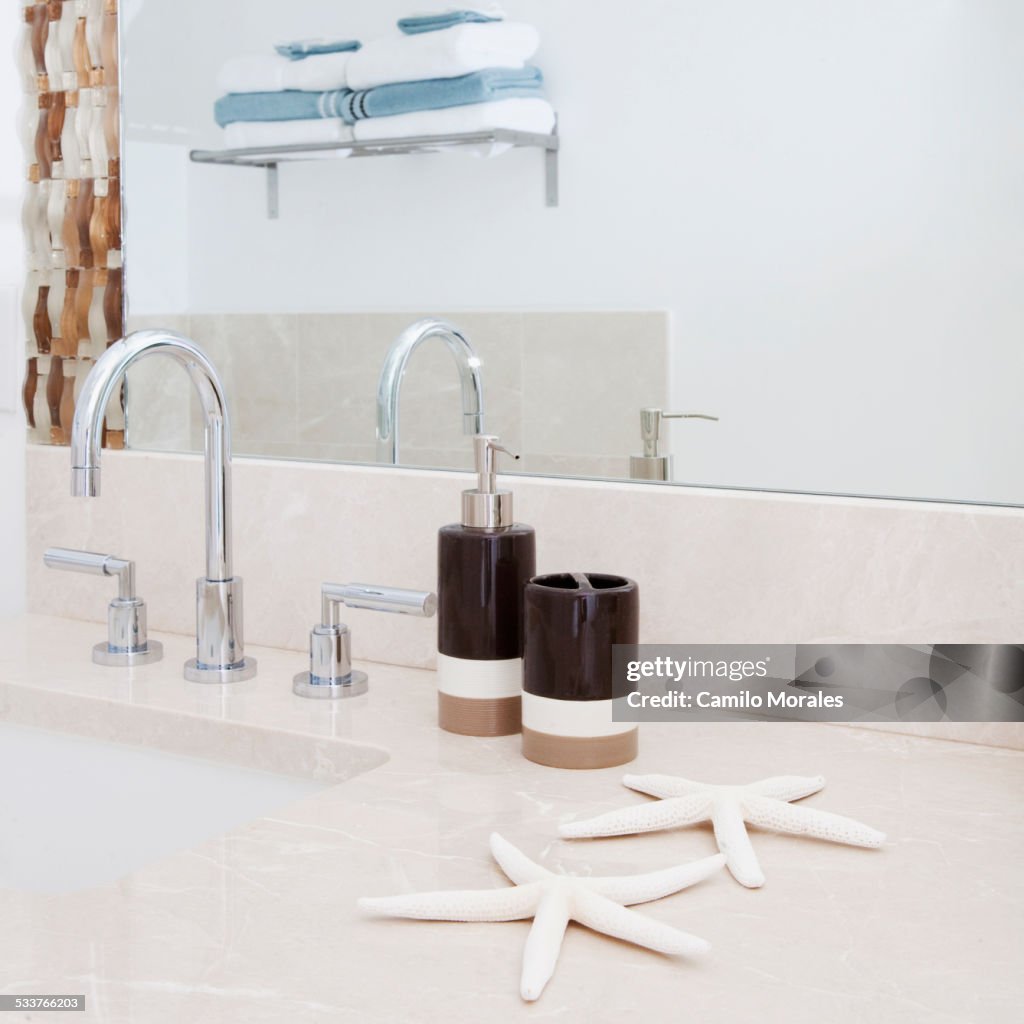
{"points": [[127, 643], [375, 599], [330, 672]]}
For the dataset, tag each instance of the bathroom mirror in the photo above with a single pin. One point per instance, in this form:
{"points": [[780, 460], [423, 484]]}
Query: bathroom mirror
{"points": [[803, 219]]}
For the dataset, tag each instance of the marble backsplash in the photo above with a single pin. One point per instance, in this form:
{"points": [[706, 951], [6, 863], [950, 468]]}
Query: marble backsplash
{"points": [[714, 566], [562, 389]]}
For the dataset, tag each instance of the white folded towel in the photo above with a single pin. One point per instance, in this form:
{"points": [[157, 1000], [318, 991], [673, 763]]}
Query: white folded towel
{"points": [[268, 73], [525, 114], [452, 52], [256, 134]]}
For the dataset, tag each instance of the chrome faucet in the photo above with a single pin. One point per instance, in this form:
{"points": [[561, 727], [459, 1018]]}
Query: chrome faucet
{"points": [[390, 384], [220, 655]]}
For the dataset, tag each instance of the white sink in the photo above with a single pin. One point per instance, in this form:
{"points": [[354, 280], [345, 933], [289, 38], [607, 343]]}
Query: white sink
{"points": [[77, 812]]}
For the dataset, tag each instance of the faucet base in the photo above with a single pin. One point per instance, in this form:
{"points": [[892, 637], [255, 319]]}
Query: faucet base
{"points": [[196, 673], [103, 655], [304, 686]]}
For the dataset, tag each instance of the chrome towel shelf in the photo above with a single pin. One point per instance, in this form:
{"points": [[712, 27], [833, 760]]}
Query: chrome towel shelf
{"points": [[268, 157]]}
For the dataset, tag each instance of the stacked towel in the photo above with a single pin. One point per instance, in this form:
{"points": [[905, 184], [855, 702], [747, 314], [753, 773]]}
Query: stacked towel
{"points": [[453, 71], [306, 66], [446, 54], [266, 73], [523, 115], [386, 100]]}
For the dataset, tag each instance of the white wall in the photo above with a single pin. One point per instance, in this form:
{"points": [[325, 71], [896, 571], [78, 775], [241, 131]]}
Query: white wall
{"points": [[12, 349], [826, 196]]}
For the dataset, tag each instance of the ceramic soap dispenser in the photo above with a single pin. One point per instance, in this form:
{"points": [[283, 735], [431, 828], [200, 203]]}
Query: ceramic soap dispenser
{"points": [[484, 563]]}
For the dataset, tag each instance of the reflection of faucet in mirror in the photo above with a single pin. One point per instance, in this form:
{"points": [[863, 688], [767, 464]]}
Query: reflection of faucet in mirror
{"points": [[220, 656], [651, 465], [389, 386]]}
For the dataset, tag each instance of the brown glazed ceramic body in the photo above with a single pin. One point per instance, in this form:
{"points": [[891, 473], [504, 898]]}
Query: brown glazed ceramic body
{"points": [[572, 622], [481, 576]]}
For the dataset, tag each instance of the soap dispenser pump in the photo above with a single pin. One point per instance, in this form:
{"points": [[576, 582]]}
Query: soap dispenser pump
{"points": [[484, 564], [651, 464]]}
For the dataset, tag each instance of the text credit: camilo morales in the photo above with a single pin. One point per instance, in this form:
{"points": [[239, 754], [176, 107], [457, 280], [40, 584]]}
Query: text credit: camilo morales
{"points": [[690, 672], [817, 682]]}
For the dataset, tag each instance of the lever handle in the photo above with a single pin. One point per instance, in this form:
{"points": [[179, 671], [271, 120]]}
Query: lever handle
{"points": [[76, 561], [330, 672], [127, 643], [687, 416], [94, 564], [377, 599]]}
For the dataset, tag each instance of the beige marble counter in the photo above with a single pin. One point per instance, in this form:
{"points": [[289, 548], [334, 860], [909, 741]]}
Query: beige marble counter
{"points": [[260, 925]]}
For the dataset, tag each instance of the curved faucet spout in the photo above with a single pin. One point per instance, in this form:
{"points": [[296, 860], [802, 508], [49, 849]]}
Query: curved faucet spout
{"points": [[87, 429], [389, 386], [220, 651]]}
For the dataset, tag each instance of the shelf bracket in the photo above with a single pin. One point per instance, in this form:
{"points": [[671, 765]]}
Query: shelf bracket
{"points": [[551, 176], [272, 191]]}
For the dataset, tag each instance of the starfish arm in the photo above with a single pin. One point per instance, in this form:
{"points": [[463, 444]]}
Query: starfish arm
{"points": [[664, 786], [515, 863], [646, 818], [787, 787], [733, 841], [602, 915], [544, 942], [631, 889], [512, 904], [783, 817]]}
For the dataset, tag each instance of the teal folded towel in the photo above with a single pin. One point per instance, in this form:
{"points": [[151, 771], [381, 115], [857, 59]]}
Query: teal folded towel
{"points": [[292, 105], [401, 98], [303, 48], [417, 23]]}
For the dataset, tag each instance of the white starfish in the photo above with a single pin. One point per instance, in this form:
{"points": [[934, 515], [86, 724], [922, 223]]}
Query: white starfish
{"points": [[554, 900], [763, 803]]}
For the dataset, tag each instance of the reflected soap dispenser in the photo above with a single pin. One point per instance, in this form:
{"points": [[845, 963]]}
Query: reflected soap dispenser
{"points": [[652, 464], [483, 564]]}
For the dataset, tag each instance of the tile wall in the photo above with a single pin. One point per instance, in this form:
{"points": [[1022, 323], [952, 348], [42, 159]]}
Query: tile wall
{"points": [[563, 389]]}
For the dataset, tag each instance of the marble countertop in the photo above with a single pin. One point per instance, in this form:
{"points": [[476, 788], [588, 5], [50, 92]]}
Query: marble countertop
{"points": [[260, 925]]}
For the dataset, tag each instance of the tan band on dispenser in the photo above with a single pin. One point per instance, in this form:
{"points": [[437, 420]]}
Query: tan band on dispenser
{"points": [[499, 716], [580, 751]]}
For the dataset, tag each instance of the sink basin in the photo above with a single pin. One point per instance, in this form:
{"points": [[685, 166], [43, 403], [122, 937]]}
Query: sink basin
{"points": [[78, 812]]}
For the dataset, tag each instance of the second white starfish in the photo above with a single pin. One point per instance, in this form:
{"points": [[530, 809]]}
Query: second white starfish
{"points": [[555, 900], [764, 803]]}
